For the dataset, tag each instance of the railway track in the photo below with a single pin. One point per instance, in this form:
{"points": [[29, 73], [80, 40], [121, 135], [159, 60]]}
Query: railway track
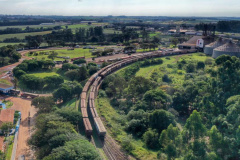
{"points": [[88, 96]]}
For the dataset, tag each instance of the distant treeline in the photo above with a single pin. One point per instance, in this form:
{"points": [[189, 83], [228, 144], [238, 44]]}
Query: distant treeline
{"points": [[24, 22], [27, 30], [223, 26]]}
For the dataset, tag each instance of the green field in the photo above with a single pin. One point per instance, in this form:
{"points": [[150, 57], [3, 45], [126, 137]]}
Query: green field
{"points": [[85, 25], [5, 44], [31, 26], [169, 67], [64, 52], [111, 31], [22, 35]]}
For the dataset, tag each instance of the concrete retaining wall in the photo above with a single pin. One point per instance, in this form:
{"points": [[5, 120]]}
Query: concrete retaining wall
{"points": [[208, 50], [219, 53]]}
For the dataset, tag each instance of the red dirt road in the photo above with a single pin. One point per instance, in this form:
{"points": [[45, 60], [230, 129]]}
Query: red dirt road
{"points": [[24, 106]]}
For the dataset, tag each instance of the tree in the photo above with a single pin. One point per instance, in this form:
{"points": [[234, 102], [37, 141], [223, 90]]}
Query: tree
{"points": [[215, 138], [161, 119], [151, 139], [171, 151], [194, 126], [92, 70], [138, 86], [71, 115], [157, 98], [79, 61], [6, 127], [174, 41], [52, 55], [62, 94], [78, 149], [53, 81], [72, 74], [44, 104], [15, 83], [82, 73]]}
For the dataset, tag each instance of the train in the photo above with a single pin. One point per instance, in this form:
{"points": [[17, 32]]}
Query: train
{"points": [[94, 82], [31, 95], [73, 59]]}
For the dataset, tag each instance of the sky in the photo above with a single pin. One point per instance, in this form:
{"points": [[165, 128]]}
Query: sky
{"points": [[203, 8]]}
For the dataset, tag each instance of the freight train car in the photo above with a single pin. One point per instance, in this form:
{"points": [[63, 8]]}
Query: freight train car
{"points": [[100, 127], [88, 126], [95, 81]]}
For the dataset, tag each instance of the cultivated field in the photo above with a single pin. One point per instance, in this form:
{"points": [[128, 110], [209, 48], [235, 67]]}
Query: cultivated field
{"points": [[22, 35]]}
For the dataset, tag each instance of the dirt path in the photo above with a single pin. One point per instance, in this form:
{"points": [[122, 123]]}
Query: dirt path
{"points": [[24, 106]]}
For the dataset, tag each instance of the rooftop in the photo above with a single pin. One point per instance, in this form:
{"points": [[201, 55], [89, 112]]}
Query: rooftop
{"points": [[5, 86], [228, 47], [7, 115]]}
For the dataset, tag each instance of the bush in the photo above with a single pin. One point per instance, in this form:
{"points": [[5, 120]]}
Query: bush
{"points": [[200, 65], [190, 68], [165, 78], [127, 144]]}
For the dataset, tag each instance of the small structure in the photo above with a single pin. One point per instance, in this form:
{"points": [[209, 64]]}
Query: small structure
{"points": [[5, 89], [209, 48], [229, 48], [196, 42]]}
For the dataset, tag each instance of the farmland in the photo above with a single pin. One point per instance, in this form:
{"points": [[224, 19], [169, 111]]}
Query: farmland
{"points": [[22, 35]]}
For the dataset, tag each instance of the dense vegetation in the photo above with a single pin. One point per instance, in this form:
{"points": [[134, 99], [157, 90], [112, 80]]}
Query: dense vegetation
{"points": [[222, 26], [190, 113], [56, 135], [8, 55]]}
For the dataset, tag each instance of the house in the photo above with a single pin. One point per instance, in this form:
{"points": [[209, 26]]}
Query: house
{"points": [[4, 88], [196, 42]]}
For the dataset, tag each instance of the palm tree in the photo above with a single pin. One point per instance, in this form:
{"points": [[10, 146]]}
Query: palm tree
{"points": [[15, 83]]}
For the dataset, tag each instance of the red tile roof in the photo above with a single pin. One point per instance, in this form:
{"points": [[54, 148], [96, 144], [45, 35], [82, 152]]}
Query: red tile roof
{"points": [[1, 143], [5, 86], [7, 115]]}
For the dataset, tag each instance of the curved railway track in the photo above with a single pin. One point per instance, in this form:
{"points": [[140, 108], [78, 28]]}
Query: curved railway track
{"points": [[88, 109]]}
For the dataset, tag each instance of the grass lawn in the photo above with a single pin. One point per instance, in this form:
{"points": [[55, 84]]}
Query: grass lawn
{"points": [[169, 67], [79, 52], [112, 118], [71, 103], [8, 104], [22, 35], [9, 149], [5, 44], [44, 74]]}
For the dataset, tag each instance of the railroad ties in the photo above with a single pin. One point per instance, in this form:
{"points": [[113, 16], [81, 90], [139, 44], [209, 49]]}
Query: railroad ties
{"points": [[110, 148]]}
